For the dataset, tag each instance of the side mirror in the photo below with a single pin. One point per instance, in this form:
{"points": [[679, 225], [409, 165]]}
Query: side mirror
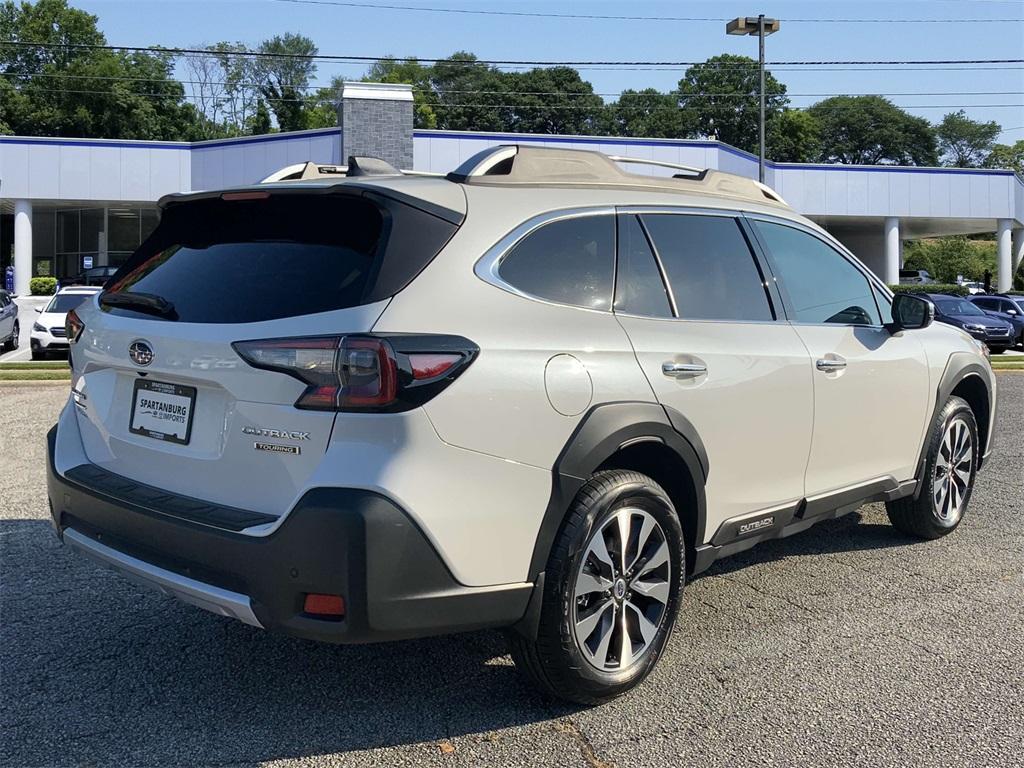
{"points": [[1011, 312], [910, 312]]}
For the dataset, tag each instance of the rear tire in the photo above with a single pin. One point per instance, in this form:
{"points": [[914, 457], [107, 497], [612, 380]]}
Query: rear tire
{"points": [[606, 613], [951, 465]]}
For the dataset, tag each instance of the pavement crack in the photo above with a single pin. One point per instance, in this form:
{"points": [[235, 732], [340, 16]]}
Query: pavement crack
{"points": [[590, 756]]}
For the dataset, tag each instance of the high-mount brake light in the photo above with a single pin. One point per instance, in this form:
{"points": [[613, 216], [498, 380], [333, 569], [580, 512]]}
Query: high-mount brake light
{"points": [[363, 372], [236, 196], [73, 326]]}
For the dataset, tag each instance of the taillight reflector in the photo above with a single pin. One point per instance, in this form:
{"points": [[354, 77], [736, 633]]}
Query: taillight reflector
{"points": [[73, 326], [324, 605]]}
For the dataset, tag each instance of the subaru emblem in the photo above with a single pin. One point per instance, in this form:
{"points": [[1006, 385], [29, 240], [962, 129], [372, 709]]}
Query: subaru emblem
{"points": [[140, 352]]}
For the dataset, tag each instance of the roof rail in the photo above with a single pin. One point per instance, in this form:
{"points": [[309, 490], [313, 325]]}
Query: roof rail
{"points": [[529, 165], [357, 166]]}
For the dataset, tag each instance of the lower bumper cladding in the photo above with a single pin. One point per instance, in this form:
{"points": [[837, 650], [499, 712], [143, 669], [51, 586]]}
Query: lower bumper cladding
{"points": [[343, 542]]}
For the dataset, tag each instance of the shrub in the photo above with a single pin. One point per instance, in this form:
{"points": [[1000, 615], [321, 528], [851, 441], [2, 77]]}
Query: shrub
{"points": [[43, 286], [950, 289], [946, 258]]}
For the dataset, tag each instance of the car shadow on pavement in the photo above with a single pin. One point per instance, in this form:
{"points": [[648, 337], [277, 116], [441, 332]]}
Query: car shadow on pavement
{"points": [[97, 670]]}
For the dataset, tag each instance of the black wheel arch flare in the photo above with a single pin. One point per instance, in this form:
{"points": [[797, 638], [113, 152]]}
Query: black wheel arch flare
{"points": [[602, 432]]}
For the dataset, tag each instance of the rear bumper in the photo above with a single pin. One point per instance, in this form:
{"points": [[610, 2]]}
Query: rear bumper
{"points": [[340, 541]]}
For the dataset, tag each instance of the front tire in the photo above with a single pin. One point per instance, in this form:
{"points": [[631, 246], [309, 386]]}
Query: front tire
{"points": [[951, 465], [611, 591]]}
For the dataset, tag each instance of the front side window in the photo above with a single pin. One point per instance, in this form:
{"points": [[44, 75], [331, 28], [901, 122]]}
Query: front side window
{"points": [[570, 261], [823, 287], [709, 266]]}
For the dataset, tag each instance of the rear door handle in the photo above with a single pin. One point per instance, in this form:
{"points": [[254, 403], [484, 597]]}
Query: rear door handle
{"points": [[829, 365], [683, 370]]}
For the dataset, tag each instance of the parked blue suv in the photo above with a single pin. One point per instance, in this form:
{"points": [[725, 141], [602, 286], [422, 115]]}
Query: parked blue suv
{"points": [[1009, 309], [997, 334]]}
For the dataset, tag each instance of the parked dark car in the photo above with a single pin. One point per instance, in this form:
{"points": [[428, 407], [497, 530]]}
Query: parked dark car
{"points": [[93, 276], [1009, 309], [953, 310]]}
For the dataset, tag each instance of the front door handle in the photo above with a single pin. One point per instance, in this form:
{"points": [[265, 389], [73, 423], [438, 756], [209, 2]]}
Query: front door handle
{"points": [[829, 365], [683, 370]]}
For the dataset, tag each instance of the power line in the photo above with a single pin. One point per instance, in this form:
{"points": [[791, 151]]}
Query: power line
{"points": [[485, 105], [576, 94], [539, 63], [616, 17]]}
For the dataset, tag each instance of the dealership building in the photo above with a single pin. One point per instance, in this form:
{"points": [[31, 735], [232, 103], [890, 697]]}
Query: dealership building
{"points": [[66, 204]]}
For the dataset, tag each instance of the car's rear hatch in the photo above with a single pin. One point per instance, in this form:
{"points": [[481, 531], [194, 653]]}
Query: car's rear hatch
{"points": [[163, 397]]}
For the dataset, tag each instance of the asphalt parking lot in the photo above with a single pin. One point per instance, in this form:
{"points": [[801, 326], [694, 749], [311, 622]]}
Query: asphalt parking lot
{"points": [[847, 645]]}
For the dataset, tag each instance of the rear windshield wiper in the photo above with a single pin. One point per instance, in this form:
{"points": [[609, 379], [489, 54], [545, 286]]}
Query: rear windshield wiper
{"points": [[147, 303]]}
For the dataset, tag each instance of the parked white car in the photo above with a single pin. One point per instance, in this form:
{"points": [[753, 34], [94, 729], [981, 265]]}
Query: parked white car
{"points": [[537, 394], [48, 332]]}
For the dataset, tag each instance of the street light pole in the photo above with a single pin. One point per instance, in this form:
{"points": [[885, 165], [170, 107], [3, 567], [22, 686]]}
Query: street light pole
{"points": [[760, 68], [762, 27]]}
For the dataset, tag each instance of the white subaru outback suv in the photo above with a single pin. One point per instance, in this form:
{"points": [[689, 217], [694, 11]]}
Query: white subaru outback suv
{"points": [[536, 394]]}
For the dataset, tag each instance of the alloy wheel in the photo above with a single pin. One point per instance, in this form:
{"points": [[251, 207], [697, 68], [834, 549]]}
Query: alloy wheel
{"points": [[621, 593], [954, 466]]}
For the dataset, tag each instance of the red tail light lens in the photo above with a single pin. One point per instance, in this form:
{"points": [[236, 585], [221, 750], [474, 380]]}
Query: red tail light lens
{"points": [[73, 326], [352, 373]]}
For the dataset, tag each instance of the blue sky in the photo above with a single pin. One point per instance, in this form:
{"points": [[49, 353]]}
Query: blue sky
{"points": [[372, 32]]}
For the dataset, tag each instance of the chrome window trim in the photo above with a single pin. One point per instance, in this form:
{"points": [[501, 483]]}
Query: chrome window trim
{"points": [[873, 280], [488, 265]]}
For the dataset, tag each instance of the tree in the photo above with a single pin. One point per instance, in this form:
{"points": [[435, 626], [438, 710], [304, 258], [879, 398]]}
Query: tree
{"points": [[284, 70], [794, 136], [721, 97], [410, 71], [872, 130], [1007, 156], [89, 92], [259, 123], [965, 143], [554, 100], [241, 86], [648, 113], [470, 96], [948, 258]]}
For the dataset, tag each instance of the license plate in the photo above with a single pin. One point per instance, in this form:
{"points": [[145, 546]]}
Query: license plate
{"points": [[163, 411]]}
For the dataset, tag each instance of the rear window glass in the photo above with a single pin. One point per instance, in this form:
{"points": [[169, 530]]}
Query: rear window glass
{"points": [[65, 302], [571, 261], [246, 261]]}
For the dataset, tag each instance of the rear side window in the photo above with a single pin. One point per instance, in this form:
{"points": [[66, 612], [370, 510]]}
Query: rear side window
{"points": [[822, 285], [639, 288], [571, 261], [710, 267], [247, 261]]}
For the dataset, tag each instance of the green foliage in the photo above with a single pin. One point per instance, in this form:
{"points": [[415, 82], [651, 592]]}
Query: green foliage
{"points": [[947, 258], [74, 91], [794, 136], [872, 130], [470, 96], [647, 113], [963, 142], [951, 289], [284, 77], [720, 99], [260, 122], [1007, 156], [553, 100], [42, 286]]}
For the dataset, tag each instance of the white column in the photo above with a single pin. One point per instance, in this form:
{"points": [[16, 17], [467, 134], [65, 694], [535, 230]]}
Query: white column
{"points": [[892, 250], [1005, 277], [1017, 249], [22, 246]]}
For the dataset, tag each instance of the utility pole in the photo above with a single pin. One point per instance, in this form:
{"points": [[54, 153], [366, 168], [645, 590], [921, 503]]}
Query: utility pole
{"points": [[762, 27]]}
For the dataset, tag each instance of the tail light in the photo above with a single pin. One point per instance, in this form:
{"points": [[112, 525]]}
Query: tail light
{"points": [[73, 326], [362, 372]]}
